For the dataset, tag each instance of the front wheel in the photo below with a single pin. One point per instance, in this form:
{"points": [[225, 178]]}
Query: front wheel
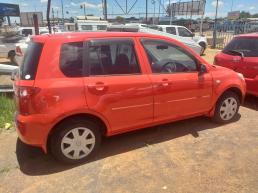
{"points": [[74, 141], [226, 108]]}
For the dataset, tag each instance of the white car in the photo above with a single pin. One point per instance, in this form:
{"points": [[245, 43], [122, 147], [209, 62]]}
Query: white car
{"points": [[155, 30], [186, 34]]}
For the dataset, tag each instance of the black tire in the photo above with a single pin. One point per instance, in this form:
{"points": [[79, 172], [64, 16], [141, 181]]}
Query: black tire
{"points": [[63, 129], [203, 45], [217, 114]]}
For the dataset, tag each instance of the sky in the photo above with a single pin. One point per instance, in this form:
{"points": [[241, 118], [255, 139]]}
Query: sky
{"points": [[72, 7]]}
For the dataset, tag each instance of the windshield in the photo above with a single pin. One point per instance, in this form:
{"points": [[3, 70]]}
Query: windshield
{"points": [[247, 46]]}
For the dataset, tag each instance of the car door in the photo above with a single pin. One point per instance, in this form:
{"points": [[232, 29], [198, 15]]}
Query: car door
{"points": [[117, 87], [179, 89]]}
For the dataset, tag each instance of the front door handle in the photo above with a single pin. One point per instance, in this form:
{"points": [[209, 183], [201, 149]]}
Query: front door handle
{"points": [[98, 86], [165, 82]]}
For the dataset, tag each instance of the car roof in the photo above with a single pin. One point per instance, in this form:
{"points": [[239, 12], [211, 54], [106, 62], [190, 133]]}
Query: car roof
{"points": [[255, 35], [84, 35]]}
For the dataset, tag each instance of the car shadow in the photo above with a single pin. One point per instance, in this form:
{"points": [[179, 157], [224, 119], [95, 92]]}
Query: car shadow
{"points": [[251, 102], [32, 161]]}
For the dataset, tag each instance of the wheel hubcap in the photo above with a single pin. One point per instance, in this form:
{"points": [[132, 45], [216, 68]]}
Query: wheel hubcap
{"points": [[228, 108], [78, 143]]}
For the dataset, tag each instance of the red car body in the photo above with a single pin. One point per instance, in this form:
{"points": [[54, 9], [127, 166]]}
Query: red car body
{"points": [[246, 64], [120, 103]]}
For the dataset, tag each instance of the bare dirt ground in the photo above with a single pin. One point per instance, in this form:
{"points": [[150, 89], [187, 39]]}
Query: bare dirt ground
{"points": [[194, 155]]}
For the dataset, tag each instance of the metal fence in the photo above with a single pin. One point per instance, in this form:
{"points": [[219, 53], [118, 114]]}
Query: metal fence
{"points": [[226, 30]]}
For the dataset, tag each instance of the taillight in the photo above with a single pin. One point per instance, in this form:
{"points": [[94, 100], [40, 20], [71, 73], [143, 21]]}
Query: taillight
{"points": [[26, 102], [18, 51]]}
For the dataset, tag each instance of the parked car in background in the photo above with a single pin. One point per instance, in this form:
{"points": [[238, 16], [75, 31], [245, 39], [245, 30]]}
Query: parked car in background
{"points": [[185, 33], [132, 27], [241, 55], [74, 88]]}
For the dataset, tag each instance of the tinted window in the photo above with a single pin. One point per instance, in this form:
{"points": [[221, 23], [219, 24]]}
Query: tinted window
{"points": [[184, 32], [101, 27], [27, 32], [109, 57], [167, 58], [71, 59], [171, 30], [30, 62], [87, 27], [248, 46]]}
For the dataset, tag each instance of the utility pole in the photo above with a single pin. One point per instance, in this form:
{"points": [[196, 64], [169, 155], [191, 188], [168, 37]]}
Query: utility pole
{"points": [[105, 9], [146, 18], [170, 21], [215, 26], [48, 19], [84, 9], [153, 2], [159, 11], [62, 3], [201, 26]]}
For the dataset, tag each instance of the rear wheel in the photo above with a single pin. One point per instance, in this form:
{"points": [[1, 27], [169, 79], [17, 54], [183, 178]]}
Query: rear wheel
{"points": [[226, 108], [75, 141]]}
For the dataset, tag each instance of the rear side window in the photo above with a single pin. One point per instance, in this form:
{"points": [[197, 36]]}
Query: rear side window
{"points": [[248, 46], [30, 62], [171, 30], [71, 59], [112, 57]]}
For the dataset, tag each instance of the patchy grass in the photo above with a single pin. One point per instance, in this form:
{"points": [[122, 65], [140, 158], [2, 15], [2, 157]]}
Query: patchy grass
{"points": [[7, 109]]}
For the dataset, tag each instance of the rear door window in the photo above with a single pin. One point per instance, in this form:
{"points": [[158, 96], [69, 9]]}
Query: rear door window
{"points": [[248, 46], [30, 62], [106, 57]]}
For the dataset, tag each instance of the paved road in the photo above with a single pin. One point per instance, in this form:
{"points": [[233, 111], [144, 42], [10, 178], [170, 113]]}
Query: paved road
{"points": [[195, 155]]}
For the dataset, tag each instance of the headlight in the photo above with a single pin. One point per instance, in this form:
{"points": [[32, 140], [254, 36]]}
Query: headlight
{"points": [[241, 76]]}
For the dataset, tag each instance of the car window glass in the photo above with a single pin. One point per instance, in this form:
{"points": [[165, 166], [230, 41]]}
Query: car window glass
{"points": [[71, 59], [167, 58], [30, 62], [112, 58], [248, 46], [171, 30], [101, 27], [87, 27], [184, 32]]}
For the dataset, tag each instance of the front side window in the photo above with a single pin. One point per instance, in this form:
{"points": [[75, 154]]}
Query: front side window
{"points": [[248, 46], [87, 27], [171, 30], [184, 32], [167, 58], [112, 57], [71, 59]]}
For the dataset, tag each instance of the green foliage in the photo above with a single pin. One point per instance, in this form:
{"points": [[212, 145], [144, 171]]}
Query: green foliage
{"points": [[7, 109]]}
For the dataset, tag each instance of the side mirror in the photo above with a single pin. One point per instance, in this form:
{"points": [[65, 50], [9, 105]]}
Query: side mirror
{"points": [[202, 69]]}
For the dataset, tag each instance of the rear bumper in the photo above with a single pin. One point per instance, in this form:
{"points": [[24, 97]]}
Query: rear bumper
{"points": [[33, 129]]}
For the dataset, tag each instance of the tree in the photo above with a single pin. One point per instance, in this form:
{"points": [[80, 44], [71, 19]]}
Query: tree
{"points": [[244, 15], [120, 19]]}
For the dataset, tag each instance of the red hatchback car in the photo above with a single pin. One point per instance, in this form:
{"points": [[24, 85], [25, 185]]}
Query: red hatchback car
{"points": [[74, 88], [241, 55]]}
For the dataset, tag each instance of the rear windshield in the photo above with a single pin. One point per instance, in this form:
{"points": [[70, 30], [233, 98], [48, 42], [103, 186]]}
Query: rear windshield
{"points": [[248, 46], [30, 62]]}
